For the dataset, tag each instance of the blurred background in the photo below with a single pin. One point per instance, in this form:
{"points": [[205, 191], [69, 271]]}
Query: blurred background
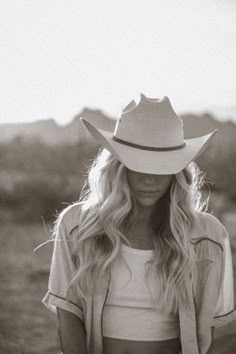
{"points": [[63, 60]]}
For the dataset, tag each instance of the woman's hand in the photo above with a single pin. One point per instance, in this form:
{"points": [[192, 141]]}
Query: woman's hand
{"points": [[71, 333]]}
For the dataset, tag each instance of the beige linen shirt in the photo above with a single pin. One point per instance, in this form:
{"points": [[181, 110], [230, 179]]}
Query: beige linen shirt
{"points": [[210, 286]]}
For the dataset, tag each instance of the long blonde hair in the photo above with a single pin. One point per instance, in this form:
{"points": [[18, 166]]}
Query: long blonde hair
{"points": [[106, 203]]}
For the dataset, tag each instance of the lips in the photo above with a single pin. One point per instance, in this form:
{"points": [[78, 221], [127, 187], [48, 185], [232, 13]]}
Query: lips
{"points": [[148, 191]]}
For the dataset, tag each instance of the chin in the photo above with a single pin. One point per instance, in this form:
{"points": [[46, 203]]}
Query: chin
{"points": [[146, 203]]}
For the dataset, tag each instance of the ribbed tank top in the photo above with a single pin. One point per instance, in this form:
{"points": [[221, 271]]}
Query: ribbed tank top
{"points": [[129, 311]]}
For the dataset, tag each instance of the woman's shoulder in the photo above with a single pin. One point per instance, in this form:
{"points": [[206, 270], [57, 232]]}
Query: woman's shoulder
{"points": [[207, 226], [70, 217], [209, 221]]}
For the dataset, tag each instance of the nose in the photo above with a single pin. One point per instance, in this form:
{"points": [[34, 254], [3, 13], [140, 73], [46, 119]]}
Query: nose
{"points": [[149, 179]]}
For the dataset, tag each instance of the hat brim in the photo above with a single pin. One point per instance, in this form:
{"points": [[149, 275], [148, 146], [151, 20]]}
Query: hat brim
{"points": [[152, 162]]}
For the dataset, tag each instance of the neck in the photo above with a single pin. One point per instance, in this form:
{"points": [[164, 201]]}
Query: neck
{"points": [[143, 213]]}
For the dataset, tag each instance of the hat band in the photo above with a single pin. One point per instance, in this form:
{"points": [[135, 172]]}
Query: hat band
{"points": [[149, 148]]}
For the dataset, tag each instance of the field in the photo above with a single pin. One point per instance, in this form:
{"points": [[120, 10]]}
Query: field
{"points": [[26, 326]]}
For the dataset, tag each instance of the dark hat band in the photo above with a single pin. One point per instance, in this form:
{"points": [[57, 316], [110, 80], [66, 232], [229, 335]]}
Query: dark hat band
{"points": [[149, 148]]}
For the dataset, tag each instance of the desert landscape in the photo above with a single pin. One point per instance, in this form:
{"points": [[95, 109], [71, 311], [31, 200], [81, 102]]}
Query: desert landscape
{"points": [[38, 177]]}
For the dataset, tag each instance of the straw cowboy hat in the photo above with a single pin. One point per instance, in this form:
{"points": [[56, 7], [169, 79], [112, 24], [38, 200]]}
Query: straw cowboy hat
{"points": [[149, 138]]}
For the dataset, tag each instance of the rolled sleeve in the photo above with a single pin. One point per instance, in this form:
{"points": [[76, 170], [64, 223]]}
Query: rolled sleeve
{"points": [[62, 271], [53, 301], [225, 312]]}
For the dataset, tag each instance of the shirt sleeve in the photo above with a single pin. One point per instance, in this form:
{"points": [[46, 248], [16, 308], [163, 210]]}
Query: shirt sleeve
{"points": [[62, 270], [225, 312]]}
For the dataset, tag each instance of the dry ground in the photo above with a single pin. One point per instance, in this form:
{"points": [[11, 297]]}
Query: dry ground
{"points": [[25, 325]]}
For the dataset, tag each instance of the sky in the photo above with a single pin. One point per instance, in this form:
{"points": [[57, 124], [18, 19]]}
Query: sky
{"points": [[60, 56]]}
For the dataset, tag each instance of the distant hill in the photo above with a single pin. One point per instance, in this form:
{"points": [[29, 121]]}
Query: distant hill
{"points": [[219, 160], [225, 140], [51, 133]]}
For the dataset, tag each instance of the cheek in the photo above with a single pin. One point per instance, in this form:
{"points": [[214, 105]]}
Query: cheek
{"points": [[166, 184], [133, 180]]}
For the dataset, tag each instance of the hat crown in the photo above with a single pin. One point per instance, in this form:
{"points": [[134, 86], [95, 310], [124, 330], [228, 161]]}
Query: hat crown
{"points": [[151, 123]]}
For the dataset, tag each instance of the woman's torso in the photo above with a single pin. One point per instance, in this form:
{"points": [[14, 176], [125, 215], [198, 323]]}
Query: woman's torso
{"points": [[126, 345]]}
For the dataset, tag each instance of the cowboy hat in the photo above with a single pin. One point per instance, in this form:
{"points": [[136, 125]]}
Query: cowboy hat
{"points": [[149, 138]]}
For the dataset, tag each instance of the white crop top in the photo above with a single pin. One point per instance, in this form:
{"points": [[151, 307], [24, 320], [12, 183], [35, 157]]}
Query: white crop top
{"points": [[129, 311]]}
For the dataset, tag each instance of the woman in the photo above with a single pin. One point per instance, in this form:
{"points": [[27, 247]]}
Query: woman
{"points": [[137, 266]]}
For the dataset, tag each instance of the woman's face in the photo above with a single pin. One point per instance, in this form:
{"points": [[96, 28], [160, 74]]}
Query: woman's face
{"points": [[146, 188]]}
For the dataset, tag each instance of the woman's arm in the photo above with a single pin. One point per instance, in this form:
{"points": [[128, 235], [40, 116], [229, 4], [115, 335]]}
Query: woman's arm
{"points": [[71, 333]]}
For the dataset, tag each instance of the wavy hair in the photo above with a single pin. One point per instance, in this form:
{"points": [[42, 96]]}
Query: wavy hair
{"points": [[107, 201]]}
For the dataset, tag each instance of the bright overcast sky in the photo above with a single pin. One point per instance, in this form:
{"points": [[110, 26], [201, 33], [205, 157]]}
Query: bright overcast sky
{"points": [[58, 56]]}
